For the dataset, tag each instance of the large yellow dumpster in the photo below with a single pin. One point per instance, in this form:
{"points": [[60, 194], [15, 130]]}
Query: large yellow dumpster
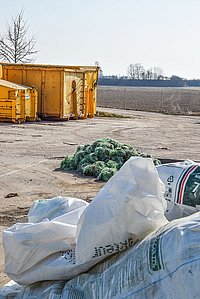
{"points": [[16, 102], [63, 91]]}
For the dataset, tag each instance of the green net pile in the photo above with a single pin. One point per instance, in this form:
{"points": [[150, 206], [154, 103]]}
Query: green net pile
{"points": [[101, 159]]}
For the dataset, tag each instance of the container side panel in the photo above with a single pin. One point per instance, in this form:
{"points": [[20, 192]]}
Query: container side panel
{"points": [[80, 95], [68, 105], [52, 94], [34, 78], [32, 113], [15, 75], [5, 104], [20, 105], [70, 77], [26, 76], [91, 83], [28, 103], [3, 92]]}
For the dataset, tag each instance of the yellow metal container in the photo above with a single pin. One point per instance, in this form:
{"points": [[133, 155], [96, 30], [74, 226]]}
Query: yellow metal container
{"points": [[12, 102], [16, 102], [63, 91]]}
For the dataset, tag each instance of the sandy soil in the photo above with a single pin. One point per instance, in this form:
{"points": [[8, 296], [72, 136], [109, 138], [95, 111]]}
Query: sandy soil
{"points": [[31, 154]]}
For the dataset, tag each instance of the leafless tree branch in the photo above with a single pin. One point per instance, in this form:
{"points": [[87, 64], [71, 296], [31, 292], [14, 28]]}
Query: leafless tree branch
{"points": [[14, 45]]}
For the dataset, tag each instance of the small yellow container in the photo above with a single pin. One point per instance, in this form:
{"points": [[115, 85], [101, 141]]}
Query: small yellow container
{"points": [[16, 102]]}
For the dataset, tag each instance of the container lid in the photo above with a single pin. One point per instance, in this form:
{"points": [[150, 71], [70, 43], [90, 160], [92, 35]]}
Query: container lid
{"points": [[12, 85]]}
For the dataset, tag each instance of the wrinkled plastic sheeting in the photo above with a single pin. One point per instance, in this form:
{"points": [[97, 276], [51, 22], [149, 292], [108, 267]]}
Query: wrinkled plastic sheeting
{"points": [[54, 207], [176, 211], [129, 207], [45, 290], [10, 290], [165, 264]]}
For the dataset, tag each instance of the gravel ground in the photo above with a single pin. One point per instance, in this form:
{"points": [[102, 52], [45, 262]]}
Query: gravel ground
{"points": [[31, 154]]}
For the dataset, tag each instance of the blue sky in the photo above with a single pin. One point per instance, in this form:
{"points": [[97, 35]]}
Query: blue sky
{"points": [[162, 33]]}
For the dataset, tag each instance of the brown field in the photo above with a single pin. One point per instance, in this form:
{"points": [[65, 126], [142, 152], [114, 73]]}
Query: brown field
{"points": [[153, 99]]}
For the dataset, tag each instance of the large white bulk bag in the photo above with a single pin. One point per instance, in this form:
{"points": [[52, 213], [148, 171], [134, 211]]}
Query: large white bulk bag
{"points": [[166, 264]]}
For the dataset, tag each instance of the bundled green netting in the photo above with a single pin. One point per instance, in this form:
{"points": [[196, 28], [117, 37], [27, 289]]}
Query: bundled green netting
{"points": [[101, 159]]}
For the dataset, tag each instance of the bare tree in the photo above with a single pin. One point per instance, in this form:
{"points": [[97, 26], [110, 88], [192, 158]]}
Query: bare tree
{"points": [[136, 71], [139, 70], [14, 44], [149, 74], [157, 72], [131, 71]]}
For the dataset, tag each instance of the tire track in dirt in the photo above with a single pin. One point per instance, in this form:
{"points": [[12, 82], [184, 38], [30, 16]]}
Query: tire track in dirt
{"points": [[12, 216]]}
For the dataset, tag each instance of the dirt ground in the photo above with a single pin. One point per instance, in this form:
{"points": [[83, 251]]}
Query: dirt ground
{"points": [[152, 99], [31, 154]]}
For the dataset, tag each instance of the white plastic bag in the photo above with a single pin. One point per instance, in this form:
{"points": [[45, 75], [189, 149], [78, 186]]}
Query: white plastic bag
{"points": [[41, 251], [129, 206], [166, 264], [182, 182], [53, 207], [176, 211], [11, 290]]}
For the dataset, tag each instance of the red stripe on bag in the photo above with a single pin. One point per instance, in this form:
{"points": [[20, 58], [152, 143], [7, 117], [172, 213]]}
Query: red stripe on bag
{"points": [[182, 187]]}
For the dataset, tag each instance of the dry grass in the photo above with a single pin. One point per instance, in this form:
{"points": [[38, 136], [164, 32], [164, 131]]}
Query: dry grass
{"points": [[109, 114]]}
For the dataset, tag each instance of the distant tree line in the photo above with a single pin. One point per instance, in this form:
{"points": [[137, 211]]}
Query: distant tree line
{"points": [[137, 75], [138, 72], [124, 81]]}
